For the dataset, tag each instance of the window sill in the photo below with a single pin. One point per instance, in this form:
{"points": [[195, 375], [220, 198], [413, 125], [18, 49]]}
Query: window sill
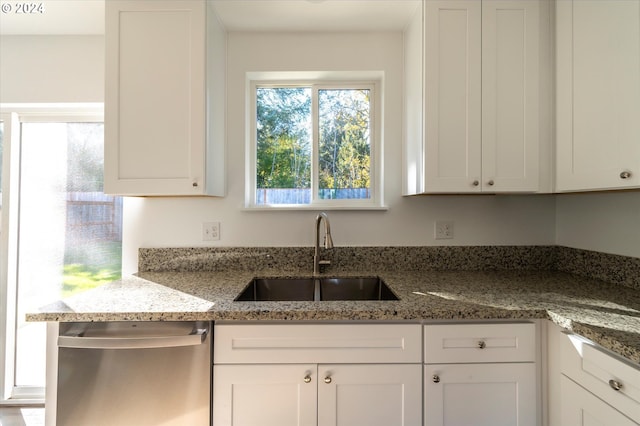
{"points": [[314, 207]]}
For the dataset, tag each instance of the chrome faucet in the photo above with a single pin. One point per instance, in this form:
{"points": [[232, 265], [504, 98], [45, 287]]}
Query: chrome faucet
{"points": [[328, 242]]}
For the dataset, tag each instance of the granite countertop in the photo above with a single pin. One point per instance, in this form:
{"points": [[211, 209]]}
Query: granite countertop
{"points": [[606, 313]]}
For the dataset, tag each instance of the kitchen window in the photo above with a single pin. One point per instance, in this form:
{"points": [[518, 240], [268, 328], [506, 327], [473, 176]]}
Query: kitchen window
{"points": [[314, 145], [60, 234]]}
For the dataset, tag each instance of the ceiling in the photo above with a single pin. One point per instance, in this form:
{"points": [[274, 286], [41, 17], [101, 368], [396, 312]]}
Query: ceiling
{"points": [[67, 17], [315, 15]]}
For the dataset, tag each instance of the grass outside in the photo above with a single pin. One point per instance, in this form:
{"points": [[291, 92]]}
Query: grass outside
{"points": [[88, 267]]}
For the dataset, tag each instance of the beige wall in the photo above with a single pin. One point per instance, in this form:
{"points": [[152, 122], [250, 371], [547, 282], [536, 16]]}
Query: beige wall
{"points": [[608, 222], [51, 69]]}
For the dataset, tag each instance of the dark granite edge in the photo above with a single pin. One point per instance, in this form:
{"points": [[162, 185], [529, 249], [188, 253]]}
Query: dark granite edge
{"points": [[616, 269]]}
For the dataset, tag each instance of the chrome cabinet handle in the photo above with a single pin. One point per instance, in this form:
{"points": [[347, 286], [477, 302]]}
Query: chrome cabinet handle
{"points": [[307, 379], [195, 184], [327, 379], [475, 183], [482, 344], [625, 174], [435, 378], [491, 182], [615, 385]]}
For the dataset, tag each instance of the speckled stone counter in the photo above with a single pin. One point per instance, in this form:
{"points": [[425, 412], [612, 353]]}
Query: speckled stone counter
{"points": [[606, 313]]}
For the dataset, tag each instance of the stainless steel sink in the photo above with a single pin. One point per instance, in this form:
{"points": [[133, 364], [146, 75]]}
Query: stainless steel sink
{"points": [[355, 288], [278, 289], [316, 289]]}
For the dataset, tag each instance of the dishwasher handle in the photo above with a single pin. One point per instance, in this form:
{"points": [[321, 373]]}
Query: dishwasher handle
{"points": [[196, 337]]}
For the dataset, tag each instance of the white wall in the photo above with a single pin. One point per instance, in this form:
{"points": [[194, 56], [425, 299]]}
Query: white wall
{"points": [[499, 220], [608, 222], [51, 69]]}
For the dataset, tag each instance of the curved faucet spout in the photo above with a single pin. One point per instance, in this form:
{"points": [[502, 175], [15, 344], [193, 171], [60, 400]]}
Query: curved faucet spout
{"points": [[328, 241]]}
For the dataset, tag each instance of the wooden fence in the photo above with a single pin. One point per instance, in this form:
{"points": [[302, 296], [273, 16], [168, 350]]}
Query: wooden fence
{"points": [[94, 215], [303, 196]]}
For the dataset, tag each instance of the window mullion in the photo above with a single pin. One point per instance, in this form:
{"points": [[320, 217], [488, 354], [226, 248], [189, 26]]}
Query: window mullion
{"points": [[315, 150]]}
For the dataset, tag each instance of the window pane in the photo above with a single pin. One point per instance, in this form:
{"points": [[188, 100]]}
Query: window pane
{"points": [[70, 232], [344, 145], [283, 155]]}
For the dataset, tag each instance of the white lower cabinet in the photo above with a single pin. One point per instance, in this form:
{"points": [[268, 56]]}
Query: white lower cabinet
{"points": [[582, 408], [327, 395], [480, 394], [480, 375], [265, 395], [375, 394], [300, 374], [596, 386], [317, 374]]}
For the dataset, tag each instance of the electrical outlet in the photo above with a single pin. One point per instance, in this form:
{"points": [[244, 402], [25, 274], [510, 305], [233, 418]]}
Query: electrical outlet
{"points": [[443, 230], [210, 231]]}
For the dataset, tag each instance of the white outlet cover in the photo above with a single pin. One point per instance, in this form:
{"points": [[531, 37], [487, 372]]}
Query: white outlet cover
{"points": [[211, 231], [443, 230]]}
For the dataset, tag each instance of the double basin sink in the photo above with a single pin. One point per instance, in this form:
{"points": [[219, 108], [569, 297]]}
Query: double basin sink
{"points": [[316, 289]]}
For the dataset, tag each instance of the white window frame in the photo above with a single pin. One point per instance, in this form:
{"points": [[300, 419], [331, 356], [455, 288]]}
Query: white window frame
{"points": [[12, 115], [376, 201]]}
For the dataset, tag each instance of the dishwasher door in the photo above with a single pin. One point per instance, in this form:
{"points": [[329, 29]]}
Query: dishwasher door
{"points": [[134, 374]]}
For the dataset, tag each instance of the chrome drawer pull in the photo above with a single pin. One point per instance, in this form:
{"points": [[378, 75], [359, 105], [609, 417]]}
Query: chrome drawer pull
{"points": [[307, 379], [327, 379], [435, 378], [482, 344], [615, 385]]}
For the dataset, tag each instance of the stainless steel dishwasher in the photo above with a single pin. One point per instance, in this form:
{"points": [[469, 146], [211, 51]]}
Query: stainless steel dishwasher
{"points": [[134, 374]]}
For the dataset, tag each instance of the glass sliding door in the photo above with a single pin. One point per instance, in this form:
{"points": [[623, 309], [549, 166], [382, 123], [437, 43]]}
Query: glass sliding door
{"points": [[69, 232]]}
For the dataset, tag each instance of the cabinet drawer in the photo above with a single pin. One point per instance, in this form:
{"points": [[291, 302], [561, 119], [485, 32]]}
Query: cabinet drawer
{"points": [[468, 343], [601, 374], [315, 343], [580, 407]]}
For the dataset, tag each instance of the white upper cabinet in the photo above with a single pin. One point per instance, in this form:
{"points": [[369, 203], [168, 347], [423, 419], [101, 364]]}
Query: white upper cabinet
{"points": [[510, 95], [453, 96], [598, 94], [164, 134], [484, 80]]}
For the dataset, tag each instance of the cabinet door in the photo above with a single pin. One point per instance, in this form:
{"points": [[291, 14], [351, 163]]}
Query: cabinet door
{"points": [[452, 96], [265, 395], [155, 97], [581, 408], [510, 92], [614, 380], [372, 395], [480, 394], [598, 94]]}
